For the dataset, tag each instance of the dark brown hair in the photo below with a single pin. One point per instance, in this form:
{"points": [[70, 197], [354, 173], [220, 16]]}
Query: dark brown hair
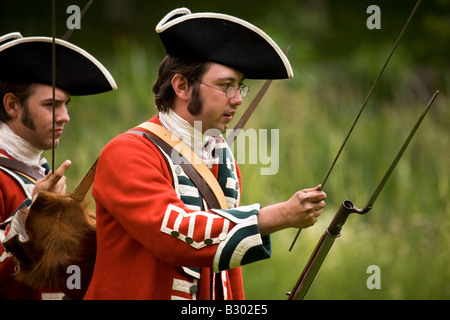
{"points": [[191, 70]]}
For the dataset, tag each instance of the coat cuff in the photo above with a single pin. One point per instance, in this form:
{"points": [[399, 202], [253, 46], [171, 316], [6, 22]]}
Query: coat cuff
{"points": [[243, 244]]}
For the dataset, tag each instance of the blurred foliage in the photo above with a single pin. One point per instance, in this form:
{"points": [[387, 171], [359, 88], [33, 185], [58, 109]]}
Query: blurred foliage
{"points": [[335, 60]]}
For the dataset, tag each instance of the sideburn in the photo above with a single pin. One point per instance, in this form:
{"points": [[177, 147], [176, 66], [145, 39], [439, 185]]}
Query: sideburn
{"points": [[26, 119], [195, 106]]}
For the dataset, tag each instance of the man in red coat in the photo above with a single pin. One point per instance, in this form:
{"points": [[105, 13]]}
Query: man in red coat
{"points": [[26, 127], [157, 238]]}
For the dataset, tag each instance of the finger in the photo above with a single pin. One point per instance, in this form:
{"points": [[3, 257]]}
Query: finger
{"points": [[315, 196], [46, 177], [61, 186], [318, 211], [59, 173], [307, 190], [314, 191], [63, 167]]}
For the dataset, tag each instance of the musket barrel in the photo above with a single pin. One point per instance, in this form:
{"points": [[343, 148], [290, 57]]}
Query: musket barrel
{"points": [[312, 267], [320, 252]]}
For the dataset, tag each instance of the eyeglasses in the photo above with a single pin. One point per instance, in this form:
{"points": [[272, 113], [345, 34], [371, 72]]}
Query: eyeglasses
{"points": [[231, 91]]}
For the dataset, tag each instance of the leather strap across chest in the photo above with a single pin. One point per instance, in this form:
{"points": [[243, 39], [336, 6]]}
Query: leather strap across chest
{"points": [[191, 163], [21, 167]]}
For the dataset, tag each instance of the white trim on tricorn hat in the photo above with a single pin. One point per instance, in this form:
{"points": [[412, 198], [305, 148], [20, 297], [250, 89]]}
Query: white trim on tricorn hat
{"points": [[223, 39], [29, 59], [9, 37]]}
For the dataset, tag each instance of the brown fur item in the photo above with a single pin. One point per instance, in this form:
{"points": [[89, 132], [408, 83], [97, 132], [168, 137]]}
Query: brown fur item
{"points": [[61, 232]]}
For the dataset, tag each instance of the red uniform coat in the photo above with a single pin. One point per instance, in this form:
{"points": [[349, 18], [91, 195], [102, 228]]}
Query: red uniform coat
{"points": [[151, 244], [12, 195]]}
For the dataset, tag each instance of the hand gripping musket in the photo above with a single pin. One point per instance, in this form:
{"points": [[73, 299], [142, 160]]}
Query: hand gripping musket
{"points": [[334, 229], [362, 107]]}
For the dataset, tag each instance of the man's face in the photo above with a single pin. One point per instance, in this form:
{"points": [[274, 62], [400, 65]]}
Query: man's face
{"points": [[34, 121], [218, 110]]}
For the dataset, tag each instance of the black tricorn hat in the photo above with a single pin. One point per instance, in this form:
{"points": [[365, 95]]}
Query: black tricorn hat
{"points": [[29, 59], [225, 40]]}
